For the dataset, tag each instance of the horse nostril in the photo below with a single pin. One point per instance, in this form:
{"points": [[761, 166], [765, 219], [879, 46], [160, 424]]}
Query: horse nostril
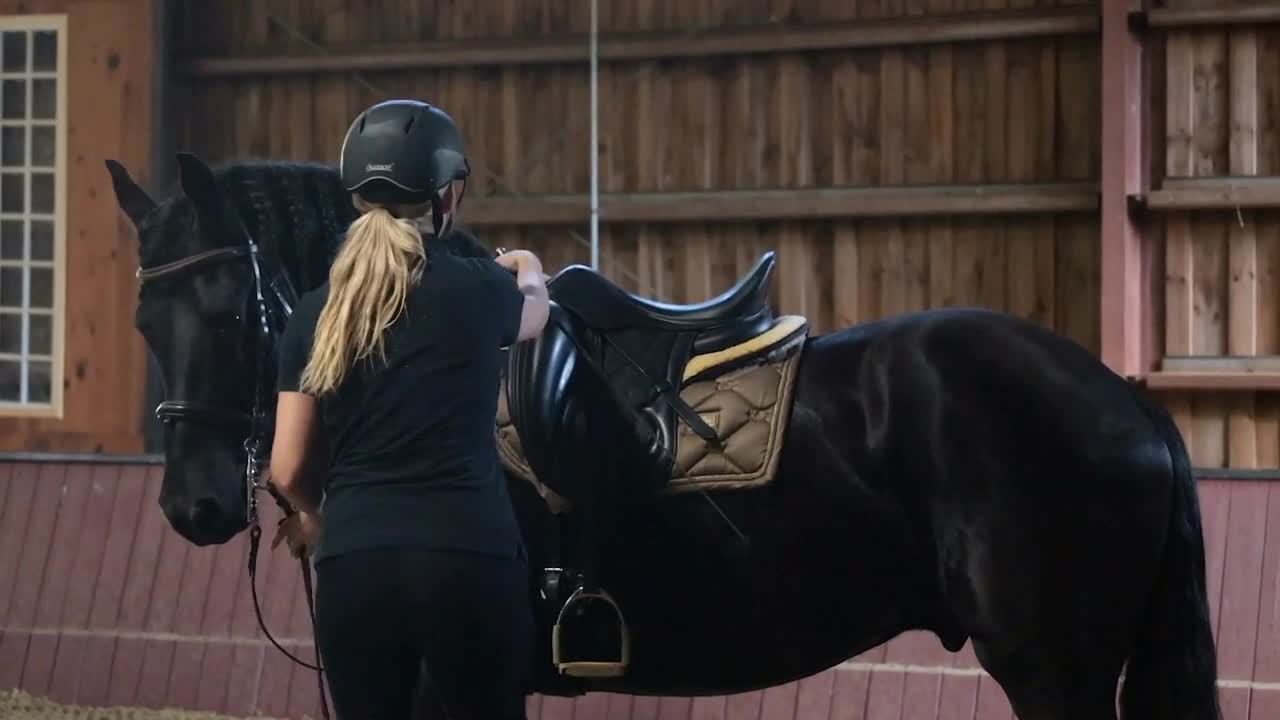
{"points": [[204, 513]]}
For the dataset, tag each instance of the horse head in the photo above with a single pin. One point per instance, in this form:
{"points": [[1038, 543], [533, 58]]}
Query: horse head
{"points": [[197, 318]]}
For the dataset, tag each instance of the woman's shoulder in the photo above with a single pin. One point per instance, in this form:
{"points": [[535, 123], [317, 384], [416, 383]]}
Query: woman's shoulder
{"points": [[461, 242], [310, 303], [314, 298], [464, 270]]}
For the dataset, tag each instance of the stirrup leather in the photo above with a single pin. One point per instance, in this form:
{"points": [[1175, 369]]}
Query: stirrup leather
{"points": [[591, 668]]}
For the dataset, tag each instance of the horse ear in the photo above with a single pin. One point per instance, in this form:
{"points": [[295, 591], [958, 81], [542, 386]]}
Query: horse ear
{"points": [[200, 186], [133, 200]]}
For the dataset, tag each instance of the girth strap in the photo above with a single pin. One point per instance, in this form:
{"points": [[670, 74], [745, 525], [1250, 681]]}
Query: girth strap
{"points": [[671, 396]]}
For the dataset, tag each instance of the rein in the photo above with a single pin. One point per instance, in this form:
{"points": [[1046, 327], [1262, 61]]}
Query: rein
{"points": [[259, 423]]}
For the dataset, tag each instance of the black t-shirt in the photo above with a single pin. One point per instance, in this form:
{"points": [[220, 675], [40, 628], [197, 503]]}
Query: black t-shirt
{"points": [[413, 455]]}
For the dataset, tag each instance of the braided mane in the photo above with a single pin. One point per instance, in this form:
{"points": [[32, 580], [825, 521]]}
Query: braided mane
{"points": [[296, 211]]}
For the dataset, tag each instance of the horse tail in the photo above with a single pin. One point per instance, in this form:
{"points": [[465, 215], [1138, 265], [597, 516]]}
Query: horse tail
{"points": [[1172, 671]]}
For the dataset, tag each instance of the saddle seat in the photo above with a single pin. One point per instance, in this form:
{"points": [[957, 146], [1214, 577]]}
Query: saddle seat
{"points": [[731, 318]]}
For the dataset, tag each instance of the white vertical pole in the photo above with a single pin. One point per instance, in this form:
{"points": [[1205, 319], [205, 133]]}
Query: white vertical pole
{"points": [[595, 138]]}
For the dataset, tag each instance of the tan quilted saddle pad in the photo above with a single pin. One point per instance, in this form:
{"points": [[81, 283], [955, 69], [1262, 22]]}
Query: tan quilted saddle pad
{"points": [[749, 407]]}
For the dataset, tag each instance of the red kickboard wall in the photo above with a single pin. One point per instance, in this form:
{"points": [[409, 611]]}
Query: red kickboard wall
{"points": [[102, 604]]}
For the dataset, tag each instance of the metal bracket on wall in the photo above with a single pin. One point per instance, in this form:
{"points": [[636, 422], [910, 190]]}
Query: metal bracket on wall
{"points": [[1136, 205], [1139, 22]]}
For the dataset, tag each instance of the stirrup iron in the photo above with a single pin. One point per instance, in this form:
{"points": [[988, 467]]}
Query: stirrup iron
{"points": [[591, 668]]}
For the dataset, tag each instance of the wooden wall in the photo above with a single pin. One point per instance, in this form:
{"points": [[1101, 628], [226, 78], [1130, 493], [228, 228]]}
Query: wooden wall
{"points": [[1216, 120], [109, 76], [108, 606], [994, 111], [924, 101]]}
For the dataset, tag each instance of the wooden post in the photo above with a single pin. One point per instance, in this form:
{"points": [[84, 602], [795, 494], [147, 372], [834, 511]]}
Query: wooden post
{"points": [[1128, 334]]}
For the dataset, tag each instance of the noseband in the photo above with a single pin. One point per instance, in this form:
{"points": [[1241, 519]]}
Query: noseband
{"points": [[259, 423]]}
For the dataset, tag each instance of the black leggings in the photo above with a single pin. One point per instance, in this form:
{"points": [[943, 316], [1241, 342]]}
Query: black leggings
{"points": [[381, 614]]}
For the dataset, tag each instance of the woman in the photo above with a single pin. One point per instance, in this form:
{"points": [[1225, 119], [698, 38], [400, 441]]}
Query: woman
{"points": [[394, 366]]}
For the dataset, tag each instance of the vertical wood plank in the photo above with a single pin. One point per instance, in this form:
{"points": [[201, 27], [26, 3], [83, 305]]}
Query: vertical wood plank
{"points": [[743, 706], [814, 696], [779, 702], [1266, 662], [992, 703], [13, 655], [1243, 555], [133, 611], [1242, 251], [58, 581], [1215, 511], [36, 547], [1179, 265], [942, 141], [13, 530], [1025, 104]]}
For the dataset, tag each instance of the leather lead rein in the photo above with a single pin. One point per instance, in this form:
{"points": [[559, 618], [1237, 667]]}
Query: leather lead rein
{"points": [[259, 422]]}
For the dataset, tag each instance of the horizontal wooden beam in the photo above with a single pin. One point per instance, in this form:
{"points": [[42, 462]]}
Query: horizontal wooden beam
{"points": [[1224, 381], [1207, 16], [789, 204], [1222, 363], [632, 47], [1216, 193], [35, 456], [1228, 373]]}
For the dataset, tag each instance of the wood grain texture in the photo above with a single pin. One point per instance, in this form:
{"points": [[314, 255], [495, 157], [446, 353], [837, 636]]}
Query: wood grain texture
{"points": [[109, 86], [150, 644], [1220, 122], [872, 117]]}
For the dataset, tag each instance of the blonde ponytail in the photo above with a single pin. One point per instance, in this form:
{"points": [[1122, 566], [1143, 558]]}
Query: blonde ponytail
{"points": [[369, 282]]}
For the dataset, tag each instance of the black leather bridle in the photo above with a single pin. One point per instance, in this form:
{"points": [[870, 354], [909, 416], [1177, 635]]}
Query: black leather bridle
{"points": [[258, 424]]}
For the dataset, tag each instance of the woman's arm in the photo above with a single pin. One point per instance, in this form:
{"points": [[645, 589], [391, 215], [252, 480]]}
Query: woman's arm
{"points": [[533, 286], [297, 453]]}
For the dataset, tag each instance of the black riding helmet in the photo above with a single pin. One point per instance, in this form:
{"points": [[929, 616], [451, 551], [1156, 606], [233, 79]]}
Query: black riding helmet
{"points": [[403, 152]]}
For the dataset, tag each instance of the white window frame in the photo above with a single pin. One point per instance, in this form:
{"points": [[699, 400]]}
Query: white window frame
{"points": [[53, 408]]}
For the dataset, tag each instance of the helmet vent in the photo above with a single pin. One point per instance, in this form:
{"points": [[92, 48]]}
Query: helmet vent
{"points": [[409, 125]]}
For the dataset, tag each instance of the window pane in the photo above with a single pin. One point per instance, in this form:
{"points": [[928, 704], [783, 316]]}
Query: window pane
{"points": [[41, 193], [15, 52], [10, 388], [46, 51], [11, 193], [10, 333], [13, 100], [41, 239], [10, 240], [13, 146], [11, 286], [44, 147], [42, 288], [44, 94], [40, 339], [39, 382]]}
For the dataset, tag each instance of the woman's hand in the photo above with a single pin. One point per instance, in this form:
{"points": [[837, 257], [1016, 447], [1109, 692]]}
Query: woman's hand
{"points": [[517, 260], [301, 530]]}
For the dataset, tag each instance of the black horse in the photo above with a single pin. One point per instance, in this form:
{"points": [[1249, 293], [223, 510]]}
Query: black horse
{"points": [[956, 471]]}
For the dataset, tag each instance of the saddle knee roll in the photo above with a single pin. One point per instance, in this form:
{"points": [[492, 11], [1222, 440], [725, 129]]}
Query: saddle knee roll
{"points": [[573, 426]]}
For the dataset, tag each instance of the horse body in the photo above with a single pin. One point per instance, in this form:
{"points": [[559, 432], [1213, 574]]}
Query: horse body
{"points": [[958, 471], [903, 502]]}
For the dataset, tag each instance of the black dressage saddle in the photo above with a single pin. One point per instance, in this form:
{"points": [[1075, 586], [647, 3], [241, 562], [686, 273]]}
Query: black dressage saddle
{"points": [[595, 400], [735, 316]]}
